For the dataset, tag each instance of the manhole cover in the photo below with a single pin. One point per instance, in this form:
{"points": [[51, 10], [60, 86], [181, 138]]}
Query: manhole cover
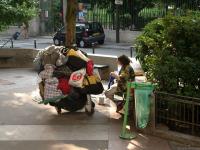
{"points": [[6, 82]]}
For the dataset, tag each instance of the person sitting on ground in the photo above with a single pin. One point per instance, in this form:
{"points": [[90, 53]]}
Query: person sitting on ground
{"points": [[125, 74]]}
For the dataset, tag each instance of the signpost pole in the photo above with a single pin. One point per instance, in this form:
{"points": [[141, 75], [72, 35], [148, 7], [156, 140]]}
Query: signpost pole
{"points": [[118, 3], [118, 24]]}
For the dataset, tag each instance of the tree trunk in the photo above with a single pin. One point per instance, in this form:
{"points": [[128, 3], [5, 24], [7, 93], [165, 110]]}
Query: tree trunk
{"points": [[71, 23]]}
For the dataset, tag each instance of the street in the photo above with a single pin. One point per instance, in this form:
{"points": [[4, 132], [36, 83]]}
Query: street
{"points": [[109, 48]]}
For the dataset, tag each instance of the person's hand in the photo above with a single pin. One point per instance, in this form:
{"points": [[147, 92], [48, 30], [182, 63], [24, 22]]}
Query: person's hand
{"points": [[114, 74]]}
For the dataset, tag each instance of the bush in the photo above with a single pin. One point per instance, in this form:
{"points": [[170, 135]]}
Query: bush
{"points": [[169, 51], [147, 13]]}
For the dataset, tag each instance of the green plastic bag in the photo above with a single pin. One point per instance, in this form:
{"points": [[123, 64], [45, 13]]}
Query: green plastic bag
{"points": [[142, 103]]}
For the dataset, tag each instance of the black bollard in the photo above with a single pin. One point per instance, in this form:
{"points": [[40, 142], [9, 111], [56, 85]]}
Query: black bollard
{"points": [[35, 44], [93, 50], [11, 43], [131, 51]]}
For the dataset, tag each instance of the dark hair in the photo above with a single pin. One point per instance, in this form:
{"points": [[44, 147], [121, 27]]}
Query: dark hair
{"points": [[124, 60]]}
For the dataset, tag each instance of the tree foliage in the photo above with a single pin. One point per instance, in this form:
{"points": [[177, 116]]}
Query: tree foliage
{"points": [[16, 11], [57, 18], [169, 51]]}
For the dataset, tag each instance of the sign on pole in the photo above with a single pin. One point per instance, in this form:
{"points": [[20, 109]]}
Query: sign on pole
{"points": [[46, 14], [119, 2]]}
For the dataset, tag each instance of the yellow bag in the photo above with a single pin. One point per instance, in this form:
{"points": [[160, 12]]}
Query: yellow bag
{"points": [[92, 85], [77, 53], [88, 80], [72, 52]]}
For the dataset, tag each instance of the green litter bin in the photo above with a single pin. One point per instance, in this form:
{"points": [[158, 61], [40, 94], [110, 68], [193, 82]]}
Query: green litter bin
{"points": [[142, 102]]}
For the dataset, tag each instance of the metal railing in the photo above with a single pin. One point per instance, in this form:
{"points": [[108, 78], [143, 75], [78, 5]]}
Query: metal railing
{"points": [[5, 42], [135, 15], [178, 113]]}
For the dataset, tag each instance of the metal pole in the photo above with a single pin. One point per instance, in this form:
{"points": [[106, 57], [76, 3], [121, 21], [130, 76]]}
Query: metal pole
{"points": [[52, 16], [35, 44], [131, 51], [124, 133], [117, 24], [11, 43], [93, 50]]}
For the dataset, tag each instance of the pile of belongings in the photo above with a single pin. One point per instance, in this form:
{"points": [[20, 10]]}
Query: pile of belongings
{"points": [[66, 77]]}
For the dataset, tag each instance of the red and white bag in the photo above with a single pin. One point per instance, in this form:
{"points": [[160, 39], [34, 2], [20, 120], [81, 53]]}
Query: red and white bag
{"points": [[76, 78]]}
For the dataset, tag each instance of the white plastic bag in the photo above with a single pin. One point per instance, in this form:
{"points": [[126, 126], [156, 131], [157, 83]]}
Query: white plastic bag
{"points": [[61, 60], [76, 78]]}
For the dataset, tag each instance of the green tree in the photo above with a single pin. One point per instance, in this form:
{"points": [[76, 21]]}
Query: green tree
{"points": [[57, 19], [16, 11], [169, 51]]}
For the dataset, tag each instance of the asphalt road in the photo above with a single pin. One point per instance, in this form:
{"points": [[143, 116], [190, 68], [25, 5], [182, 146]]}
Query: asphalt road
{"points": [[109, 48]]}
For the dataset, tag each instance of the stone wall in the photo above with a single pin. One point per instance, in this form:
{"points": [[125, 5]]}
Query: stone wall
{"points": [[17, 58], [23, 58]]}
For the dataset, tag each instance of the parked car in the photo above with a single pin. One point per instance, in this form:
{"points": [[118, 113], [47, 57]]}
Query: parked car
{"points": [[86, 34]]}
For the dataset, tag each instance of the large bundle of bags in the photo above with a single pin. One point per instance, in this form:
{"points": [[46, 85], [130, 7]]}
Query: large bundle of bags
{"points": [[66, 77]]}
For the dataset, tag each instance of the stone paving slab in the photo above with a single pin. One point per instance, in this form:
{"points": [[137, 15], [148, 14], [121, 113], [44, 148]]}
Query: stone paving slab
{"points": [[16, 101], [53, 132], [26, 125], [55, 145], [178, 146], [21, 110], [20, 78]]}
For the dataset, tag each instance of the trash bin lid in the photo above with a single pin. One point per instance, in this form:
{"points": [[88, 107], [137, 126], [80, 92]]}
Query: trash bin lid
{"points": [[143, 85]]}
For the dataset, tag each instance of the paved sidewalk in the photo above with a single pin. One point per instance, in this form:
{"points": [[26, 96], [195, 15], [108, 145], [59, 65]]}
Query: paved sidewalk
{"points": [[25, 124]]}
